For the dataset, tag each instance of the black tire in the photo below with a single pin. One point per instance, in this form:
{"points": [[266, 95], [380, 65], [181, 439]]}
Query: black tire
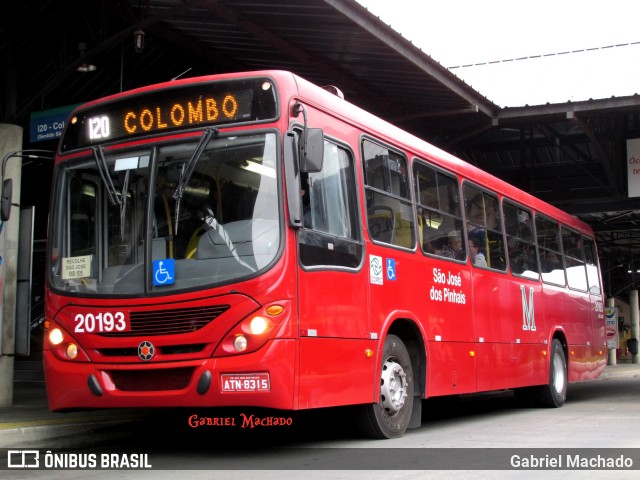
{"points": [[389, 418], [554, 394]]}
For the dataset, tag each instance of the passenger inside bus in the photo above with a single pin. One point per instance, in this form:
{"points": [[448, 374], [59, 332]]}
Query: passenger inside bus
{"points": [[551, 262], [437, 245], [477, 257], [454, 240]]}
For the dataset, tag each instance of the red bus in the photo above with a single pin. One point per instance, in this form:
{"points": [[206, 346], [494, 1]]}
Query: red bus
{"points": [[254, 240]]}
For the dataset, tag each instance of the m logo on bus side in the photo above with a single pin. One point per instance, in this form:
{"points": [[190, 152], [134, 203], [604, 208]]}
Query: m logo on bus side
{"points": [[146, 350], [528, 317]]}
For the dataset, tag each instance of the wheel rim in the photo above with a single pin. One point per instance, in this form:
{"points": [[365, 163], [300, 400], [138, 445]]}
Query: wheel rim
{"points": [[558, 374], [393, 387]]}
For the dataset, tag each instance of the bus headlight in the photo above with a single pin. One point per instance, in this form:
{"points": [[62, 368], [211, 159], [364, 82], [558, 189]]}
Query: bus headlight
{"points": [[258, 325], [55, 336], [62, 345], [72, 351], [240, 343]]}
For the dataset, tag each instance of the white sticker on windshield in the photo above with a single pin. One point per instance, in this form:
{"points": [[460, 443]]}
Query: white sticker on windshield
{"points": [[131, 163], [76, 267]]}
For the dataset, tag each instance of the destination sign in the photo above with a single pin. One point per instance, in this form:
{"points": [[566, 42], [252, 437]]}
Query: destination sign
{"points": [[167, 110]]}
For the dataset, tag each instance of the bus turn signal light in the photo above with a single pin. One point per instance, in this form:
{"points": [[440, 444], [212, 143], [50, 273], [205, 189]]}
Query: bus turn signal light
{"points": [[275, 309]]}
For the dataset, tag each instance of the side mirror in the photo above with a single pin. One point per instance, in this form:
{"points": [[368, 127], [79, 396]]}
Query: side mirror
{"points": [[311, 150], [310, 145], [5, 203]]}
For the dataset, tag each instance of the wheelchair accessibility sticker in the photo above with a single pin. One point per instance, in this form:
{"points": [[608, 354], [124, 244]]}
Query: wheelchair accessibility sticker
{"points": [[391, 269], [164, 271]]}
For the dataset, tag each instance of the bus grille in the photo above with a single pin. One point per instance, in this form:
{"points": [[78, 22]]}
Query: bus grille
{"points": [[151, 380], [167, 322]]}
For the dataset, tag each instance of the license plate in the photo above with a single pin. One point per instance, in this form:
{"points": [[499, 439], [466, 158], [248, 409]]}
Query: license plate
{"points": [[245, 382]]}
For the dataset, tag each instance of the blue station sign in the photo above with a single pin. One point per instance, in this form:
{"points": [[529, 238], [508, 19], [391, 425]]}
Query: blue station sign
{"points": [[48, 124]]}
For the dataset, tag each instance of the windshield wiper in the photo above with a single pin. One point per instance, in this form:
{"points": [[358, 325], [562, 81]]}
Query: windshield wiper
{"points": [[188, 170], [101, 163], [112, 193], [123, 203]]}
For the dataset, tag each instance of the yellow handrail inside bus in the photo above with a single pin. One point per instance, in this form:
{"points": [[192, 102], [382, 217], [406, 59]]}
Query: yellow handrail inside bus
{"points": [[193, 242]]}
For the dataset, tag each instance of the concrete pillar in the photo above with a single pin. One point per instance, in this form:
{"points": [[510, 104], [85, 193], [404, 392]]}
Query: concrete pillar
{"points": [[635, 314], [10, 141], [613, 358]]}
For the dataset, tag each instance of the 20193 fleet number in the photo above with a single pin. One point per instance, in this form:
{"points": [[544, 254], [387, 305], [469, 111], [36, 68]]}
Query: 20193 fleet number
{"points": [[101, 322]]}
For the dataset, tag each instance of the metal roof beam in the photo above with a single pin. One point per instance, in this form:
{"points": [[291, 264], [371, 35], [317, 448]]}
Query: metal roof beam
{"points": [[361, 16], [524, 114], [604, 159], [231, 16], [435, 114]]}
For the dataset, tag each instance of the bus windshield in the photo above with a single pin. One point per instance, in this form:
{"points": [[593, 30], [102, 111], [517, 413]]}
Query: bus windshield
{"points": [[169, 217]]}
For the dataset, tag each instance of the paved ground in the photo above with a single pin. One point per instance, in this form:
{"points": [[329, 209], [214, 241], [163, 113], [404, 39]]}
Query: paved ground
{"points": [[29, 423]]}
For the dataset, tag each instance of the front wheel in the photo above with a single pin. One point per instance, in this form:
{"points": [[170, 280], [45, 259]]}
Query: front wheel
{"points": [[389, 418]]}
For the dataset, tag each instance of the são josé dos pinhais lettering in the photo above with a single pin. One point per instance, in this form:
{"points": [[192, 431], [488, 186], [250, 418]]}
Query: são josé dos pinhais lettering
{"points": [[443, 291]]}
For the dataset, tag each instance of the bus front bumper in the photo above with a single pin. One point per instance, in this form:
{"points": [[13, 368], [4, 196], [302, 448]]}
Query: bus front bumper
{"points": [[264, 378]]}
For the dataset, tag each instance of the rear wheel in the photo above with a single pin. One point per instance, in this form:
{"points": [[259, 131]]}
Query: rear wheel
{"points": [[554, 393], [389, 418]]}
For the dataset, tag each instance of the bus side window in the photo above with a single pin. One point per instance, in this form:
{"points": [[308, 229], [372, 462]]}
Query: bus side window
{"points": [[440, 224], [591, 259], [484, 228], [574, 259], [388, 196], [523, 259], [331, 231], [548, 233]]}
